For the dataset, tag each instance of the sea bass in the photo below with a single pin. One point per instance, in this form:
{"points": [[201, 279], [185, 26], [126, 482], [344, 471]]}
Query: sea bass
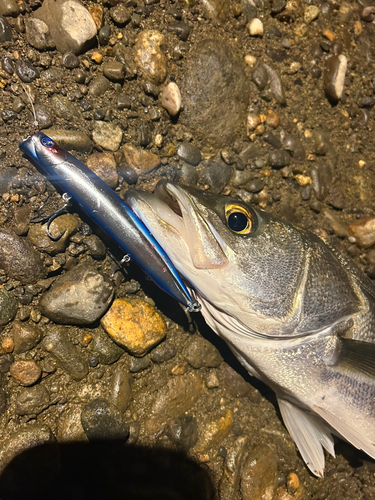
{"points": [[297, 313]]}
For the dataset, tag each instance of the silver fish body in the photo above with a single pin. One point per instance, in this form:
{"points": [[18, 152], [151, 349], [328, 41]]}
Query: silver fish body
{"points": [[297, 313]]}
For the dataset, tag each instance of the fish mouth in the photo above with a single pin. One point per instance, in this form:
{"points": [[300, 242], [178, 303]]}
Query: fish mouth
{"points": [[172, 215], [28, 147]]}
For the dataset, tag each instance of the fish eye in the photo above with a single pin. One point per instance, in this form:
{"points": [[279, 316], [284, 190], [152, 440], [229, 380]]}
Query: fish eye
{"points": [[240, 219], [47, 142]]}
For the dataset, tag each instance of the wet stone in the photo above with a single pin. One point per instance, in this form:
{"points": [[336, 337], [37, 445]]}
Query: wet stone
{"points": [[5, 30], [79, 297], [70, 426], [311, 13], [171, 99], [114, 71], [9, 8], [214, 429], [26, 71], [321, 180], [70, 60], [249, 152], [104, 166], [334, 77], [102, 420], [255, 186], [279, 158], [234, 382], [123, 102], [32, 400], [260, 77], [38, 35], [121, 388], [44, 116], [67, 355], [99, 85], [26, 336], [7, 64], [322, 143], [277, 6], [129, 175], [70, 139], [8, 307], [95, 246], [183, 432], [120, 14], [259, 478], [363, 231], [106, 350], [39, 237], [6, 361], [163, 352], [230, 479], [25, 372], [107, 135], [104, 34], [140, 160], [135, 325], [294, 145], [139, 364], [189, 153], [181, 29], [149, 56], [200, 353], [276, 86], [216, 175], [272, 140]]}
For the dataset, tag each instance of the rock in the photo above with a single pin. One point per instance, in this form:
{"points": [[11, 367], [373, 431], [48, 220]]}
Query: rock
{"points": [[99, 85], [70, 23], [230, 479], [107, 135], [107, 351], [199, 353], [217, 10], [6, 361], [7, 344], [44, 116], [32, 401], [121, 388], [255, 27], [334, 77], [311, 13], [139, 364], [211, 380], [173, 400], [95, 246], [25, 372], [293, 144], [363, 231], [125, 55], [259, 474], [70, 139], [279, 158], [276, 86], [67, 355], [26, 71], [181, 29], [321, 180], [164, 352], [79, 297], [39, 237], [101, 420], [114, 71], [135, 325], [171, 99], [5, 30], [213, 430], [26, 336], [23, 439], [183, 432], [141, 160], [120, 14], [64, 109], [104, 166], [272, 140], [70, 60], [38, 34], [8, 307], [322, 144], [70, 426], [149, 56], [189, 153], [216, 175], [214, 108], [9, 8], [234, 383]]}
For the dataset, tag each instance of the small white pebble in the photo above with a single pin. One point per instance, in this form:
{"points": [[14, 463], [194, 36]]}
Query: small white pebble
{"points": [[361, 163], [158, 140], [255, 27], [252, 121], [171, 99], [250, 60]]}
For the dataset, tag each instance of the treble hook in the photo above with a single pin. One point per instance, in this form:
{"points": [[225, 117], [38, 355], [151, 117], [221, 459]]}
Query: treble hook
{"points": [[52, 216]]}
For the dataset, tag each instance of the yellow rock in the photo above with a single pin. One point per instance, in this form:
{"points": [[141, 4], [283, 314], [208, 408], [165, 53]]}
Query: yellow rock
{"points": [[135, 325], [214, 432]]}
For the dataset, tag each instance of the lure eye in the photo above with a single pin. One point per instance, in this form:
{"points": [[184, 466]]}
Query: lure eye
{"points": [[47, 142], [240, 219]]}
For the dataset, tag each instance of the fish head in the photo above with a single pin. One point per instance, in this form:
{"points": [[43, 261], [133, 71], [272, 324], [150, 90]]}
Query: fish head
{"points": [[42, 151], [237, 257]]}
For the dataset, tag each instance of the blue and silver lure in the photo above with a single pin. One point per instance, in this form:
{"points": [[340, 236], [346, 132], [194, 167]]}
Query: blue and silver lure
{"points": [[107, 210]]}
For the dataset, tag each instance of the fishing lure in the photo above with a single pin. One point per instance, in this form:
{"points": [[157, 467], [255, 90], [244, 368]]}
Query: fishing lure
{"points": [[107, 210]]}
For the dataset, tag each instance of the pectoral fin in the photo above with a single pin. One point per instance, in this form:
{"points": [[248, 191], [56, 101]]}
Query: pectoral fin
{"points": [[355, 357]]}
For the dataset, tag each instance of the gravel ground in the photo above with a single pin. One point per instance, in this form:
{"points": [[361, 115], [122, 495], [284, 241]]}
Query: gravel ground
{"points": [[270, 101]]}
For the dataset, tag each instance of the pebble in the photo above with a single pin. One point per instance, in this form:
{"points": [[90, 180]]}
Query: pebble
{"points": [[64, 109], [294, 145], [121, 388], [255, 27], [311, 13], [102, 420], [321, 180], [279, 158], [334, 77], [252, 121], [7, 344], [215, 108], [26, 71], [272, 140], [363, 231], [200, 353], [9, 8], [70, 60], [322, 145], [44, 116], [139, 364], [125, 55], [114, 71], [273, 119], [172, 400], [135, 325], [8, 307], [230, 479], [217, 10], [99, 85], [141, 161], [255, 185], [39, 237], [95, 246], [5, 30], [129, 175], [149, 56], [107, 135], [106, 350], [214, 429], [120, 14], [189, 153], [26, 336], [104, 34], [183, 432], [211, 380], [216, 175], [276, 86], [38, 34], [71, 33], [25, 437], [32, 401], [259, 476], [249, 152], [25, 372], [277, 6], [181, 29], [171, 99], [70, 139], [123, 102], [70, 426], [104, 166], [164, 352], [234, 383], [79, 297], [6, 361], [67, 355]]}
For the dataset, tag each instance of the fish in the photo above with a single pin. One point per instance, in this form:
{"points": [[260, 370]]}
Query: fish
{"points": [[108, 211], [296, 312]]}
